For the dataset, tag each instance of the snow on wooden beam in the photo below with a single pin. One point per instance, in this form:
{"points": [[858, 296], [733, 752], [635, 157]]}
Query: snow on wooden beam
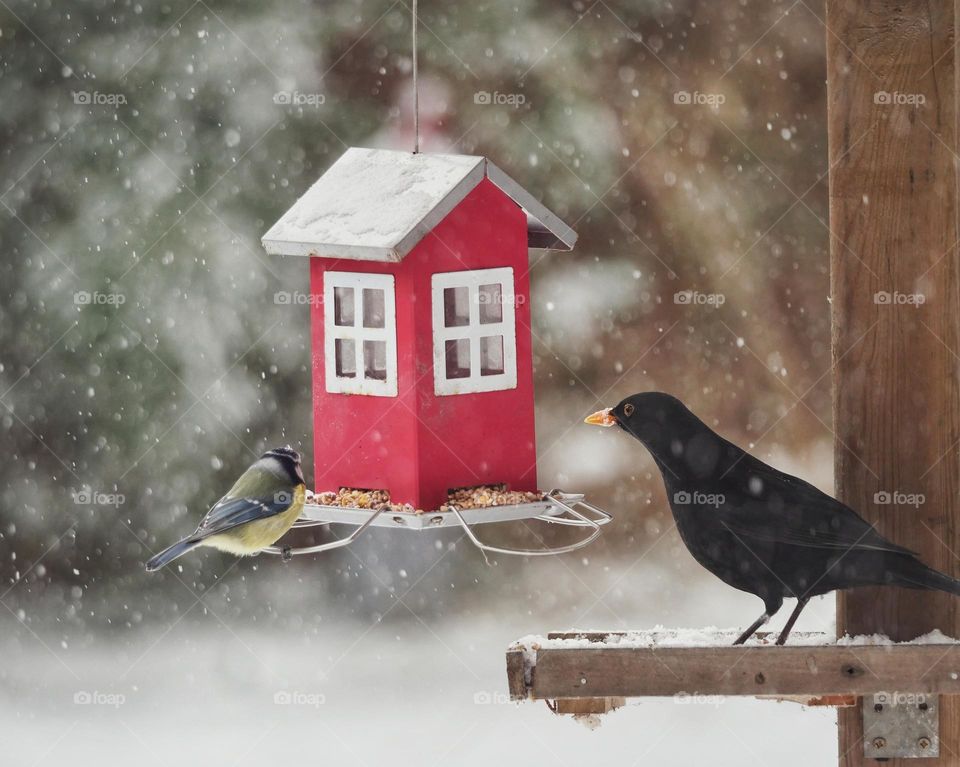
{"points": [[813, 668]]}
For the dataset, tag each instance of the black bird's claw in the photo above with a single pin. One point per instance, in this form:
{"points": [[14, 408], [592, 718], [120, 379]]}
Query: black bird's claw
{"points": [[286, 554]]}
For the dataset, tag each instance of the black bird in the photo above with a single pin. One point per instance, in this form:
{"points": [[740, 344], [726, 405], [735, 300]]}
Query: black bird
{"points": [[756, 528]]}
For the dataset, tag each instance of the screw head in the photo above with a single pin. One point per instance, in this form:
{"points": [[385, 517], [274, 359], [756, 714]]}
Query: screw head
{"points": [[879, 743], [923, 743]]}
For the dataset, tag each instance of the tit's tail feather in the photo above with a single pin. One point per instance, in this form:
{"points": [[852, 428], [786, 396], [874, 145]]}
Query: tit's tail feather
{"points": [[166, 556], [916, 575]]}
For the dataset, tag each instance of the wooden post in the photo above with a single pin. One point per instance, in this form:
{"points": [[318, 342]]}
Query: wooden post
{"points": [[892, 85]]}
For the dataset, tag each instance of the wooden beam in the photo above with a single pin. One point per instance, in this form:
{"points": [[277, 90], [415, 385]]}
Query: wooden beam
{"points": [[586, 706], [516, 683], [892, 122], [770, 670], [827, 701], [690, 673]]}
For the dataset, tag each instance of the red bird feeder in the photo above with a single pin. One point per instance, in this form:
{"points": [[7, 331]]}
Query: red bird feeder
{"points": [[422, 359]]}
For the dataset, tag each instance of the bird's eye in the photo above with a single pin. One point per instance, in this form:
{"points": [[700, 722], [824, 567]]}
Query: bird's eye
{"points": [[628, 410]]}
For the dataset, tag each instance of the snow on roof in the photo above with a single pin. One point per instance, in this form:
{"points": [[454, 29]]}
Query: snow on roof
{"points": [[377, 204]]}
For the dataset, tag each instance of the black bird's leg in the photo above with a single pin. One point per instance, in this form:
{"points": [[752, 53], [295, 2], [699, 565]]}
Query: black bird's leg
{"points": [[753, 627], [801, 603], [770, 609]]}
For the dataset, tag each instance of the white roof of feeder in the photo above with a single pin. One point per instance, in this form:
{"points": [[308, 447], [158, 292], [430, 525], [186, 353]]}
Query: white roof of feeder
{"points": [[377, 204]]}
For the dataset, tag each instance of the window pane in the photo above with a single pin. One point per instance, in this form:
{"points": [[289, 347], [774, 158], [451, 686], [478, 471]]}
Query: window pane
{"points": [[373, 308], [375, 360], [491, 303], [343, 313], [346, 353], [458, 358], [456, 309], [491, 355]]}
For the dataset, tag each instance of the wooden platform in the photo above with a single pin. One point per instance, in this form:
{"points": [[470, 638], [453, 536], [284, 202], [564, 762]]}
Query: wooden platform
{"points": [[812, 668]]}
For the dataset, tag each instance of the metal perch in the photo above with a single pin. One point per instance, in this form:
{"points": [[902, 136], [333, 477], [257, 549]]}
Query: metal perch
{"points": [[557, 507]]}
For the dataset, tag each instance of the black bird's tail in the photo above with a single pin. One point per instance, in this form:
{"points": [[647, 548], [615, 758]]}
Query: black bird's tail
{"points": [[913, 574], [168, 555]]}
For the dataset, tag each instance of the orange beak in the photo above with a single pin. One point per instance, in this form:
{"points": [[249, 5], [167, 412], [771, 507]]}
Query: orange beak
{"points": [[601, 418]]}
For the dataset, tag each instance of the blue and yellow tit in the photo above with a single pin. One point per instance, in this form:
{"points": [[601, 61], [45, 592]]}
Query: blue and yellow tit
{"points": [[260, 507]]}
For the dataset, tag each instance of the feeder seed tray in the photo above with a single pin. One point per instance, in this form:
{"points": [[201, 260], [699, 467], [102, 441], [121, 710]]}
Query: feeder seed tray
{"points": [[462, 510], [481, 496]]}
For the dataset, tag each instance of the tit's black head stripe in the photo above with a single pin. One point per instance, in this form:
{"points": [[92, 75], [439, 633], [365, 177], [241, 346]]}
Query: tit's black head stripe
{"points": [[283, 453]]}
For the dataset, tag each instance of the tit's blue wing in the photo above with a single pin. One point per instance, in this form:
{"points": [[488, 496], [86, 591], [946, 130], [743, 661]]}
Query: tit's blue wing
{"points": [[232, 512]]}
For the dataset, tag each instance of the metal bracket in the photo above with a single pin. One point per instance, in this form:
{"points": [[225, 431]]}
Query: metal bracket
{"points": [[563, 503], [287, 552], [901, 725]]}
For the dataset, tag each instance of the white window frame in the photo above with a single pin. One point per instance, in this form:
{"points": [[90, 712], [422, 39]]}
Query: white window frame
{"points": [[358, 334], [474, 331]]}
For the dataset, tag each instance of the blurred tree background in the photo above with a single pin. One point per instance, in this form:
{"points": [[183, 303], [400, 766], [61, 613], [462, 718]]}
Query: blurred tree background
{"points": [[144, 357]]}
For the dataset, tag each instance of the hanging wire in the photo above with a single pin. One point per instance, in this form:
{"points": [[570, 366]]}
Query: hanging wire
{"points": [[416, 87]]}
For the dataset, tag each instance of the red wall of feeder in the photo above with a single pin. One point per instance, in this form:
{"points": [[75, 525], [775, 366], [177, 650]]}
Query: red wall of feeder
{"points": [[419, 445]]}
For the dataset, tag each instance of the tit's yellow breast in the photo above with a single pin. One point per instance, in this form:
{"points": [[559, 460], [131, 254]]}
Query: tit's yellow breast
{"points": [[253, 536]]}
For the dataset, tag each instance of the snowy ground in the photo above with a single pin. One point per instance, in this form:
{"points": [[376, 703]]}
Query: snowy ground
{"points": [[404, 691]]}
